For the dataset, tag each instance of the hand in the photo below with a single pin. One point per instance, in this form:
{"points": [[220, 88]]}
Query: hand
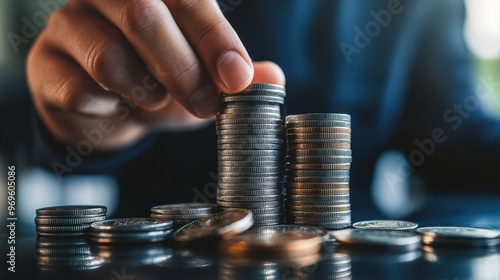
{"points": [[92, 63]]}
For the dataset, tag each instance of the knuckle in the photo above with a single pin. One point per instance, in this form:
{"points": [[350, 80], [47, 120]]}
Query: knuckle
{"points": [[103, 59], [138, 15], [184, 75], [182, 6], [211, 31]]}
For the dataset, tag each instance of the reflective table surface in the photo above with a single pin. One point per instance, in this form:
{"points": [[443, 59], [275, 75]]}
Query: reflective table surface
{"points": [[43, 258]]}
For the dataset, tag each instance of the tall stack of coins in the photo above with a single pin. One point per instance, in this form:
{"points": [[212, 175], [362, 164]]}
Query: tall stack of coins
{"points": [[249, 138], [317, 170]]}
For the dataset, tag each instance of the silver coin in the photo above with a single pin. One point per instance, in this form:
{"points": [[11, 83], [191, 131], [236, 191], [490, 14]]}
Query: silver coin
{"points": [[340, 136], [68, 221], [320, 123], [271, 191], [340, 214], [261, 169], [385, 224], [266, 223], [249, 205], [249, 180], [339, 159], [250, 153], [227, 163], [317, 220], [131, 225], [260, 217], [272, 197], [248, 186], [293, 140], [319, 152], [266, 86], [260, 211], [320, 166], [319, 130], [175, 218], [255, 105], [254, 110], [248, 158], [317, 173], [242, 140], [225, 116], [185, 208], [389, 239], [54, 228], [48, 242], [226, 222], [295, 179], [317, 185], [316, 202], [250, 147], [331, 198], [318, 208], [272, 132], [467, 236], [305, 146], [131, 237], [225, 176], [250, 137], [332, 225], [316, 192], [250, 121], [243, 98], [319, 116], [71, 260], [71, 210]]}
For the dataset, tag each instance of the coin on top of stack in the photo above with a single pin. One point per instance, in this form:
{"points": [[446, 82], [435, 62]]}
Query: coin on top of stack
{"points": [[131, 230], [317, 170], [68, 220], [182, 213], [249, 140]]}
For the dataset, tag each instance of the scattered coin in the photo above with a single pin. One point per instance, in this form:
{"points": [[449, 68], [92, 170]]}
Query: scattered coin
{"points": [[382, 239], [385, 224], [465, 236]]}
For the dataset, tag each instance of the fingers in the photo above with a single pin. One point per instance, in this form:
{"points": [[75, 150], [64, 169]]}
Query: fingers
{"points": [[104, 53], [215, 41], [154, 34], [268, 72]]}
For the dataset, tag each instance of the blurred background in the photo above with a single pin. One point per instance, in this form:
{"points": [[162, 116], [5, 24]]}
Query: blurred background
{"points": [[38, 188]]}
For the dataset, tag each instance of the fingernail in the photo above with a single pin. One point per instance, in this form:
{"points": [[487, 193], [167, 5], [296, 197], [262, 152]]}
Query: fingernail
{"points": [[233, 70], [205, 102]]}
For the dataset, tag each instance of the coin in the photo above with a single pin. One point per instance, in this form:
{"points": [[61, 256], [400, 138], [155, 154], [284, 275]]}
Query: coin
{"points": [[387, 239], [343, 185], [249, 153], [249, 146], [313, 145], [385, 224], [318, 116], [248, 186], [338, 191], [131, 225], [250, 205], [294, 179], [338, 214], [250, 121], [292, 136], [317, 173], [263, 192], [247, 140], [68, 221], [312, 159], [75, 228], [185, 208], [271, 241], [71, 210], [270, 163], [319, 152], [240, 98], [318, 123], [466, 236], [273, 197], [319, 129], [131, 237], [230, 221], [276, 158], [322, 233], [319, 208], [319, 166], [261, 169]]}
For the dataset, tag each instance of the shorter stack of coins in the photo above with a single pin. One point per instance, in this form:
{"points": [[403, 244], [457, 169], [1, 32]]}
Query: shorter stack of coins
{"points": [[249, 138], [317, 170], [131, 230], [183, 213], [68, 220], [65, 254]]}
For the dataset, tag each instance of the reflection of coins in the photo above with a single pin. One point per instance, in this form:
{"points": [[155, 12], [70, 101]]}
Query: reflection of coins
{"points": [[382, 239], [132, 255], [65, 254], [187, 259], [229, 221], [385, 224], [270, 241], [459, 236]]}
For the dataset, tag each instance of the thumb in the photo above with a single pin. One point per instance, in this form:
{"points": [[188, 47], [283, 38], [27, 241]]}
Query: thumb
{"points": [[268, 72]]}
